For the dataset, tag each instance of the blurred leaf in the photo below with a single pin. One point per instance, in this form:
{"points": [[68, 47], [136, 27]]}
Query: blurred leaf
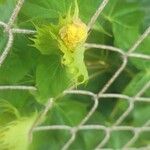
{"points": [[118, 139], [141, 114], [142, 64], [21, 60], [49, 139], [127, 13], [76, 113], [126, 23], [35, 10], [125, 36], [135, 85], [6, 9], [145, 6], [142, 140], [3, 40], [22, 100], [40, 10]]}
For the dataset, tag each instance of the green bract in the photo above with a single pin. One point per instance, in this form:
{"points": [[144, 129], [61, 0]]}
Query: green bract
{"points": [[67, 39], [15, 134]]}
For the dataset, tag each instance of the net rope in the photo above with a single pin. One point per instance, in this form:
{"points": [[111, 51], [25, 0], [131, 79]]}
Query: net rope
{"points": [[95, 97]]}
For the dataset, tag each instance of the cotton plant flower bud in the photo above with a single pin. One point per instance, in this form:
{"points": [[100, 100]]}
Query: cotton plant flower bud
{"points": [[73, 34], [67, 39]]}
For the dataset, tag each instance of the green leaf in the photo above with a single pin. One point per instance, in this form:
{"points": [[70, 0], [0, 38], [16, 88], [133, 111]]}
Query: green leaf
{"points": [[126, 23], [35, 10], [22, 100], [118, 139], [135, 85], [65, 111], [19, 63], [124, 36], [141, 114], [143, 48], [51, 77], [87, 12], [56, 116], [3, 40], [11, 74], [6, 8], [128, 13], [41, 10], [76, 113], [145, 6]]}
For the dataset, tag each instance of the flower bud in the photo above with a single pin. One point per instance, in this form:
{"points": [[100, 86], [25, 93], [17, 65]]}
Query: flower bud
{"points": [[73, 34]]}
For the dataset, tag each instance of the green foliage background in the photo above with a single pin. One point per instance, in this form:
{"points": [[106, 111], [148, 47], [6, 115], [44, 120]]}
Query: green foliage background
{"points": [[120, 25]]}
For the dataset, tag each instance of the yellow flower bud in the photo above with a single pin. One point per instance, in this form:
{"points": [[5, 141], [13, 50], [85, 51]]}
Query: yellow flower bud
{"points": [[73, 34]]}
